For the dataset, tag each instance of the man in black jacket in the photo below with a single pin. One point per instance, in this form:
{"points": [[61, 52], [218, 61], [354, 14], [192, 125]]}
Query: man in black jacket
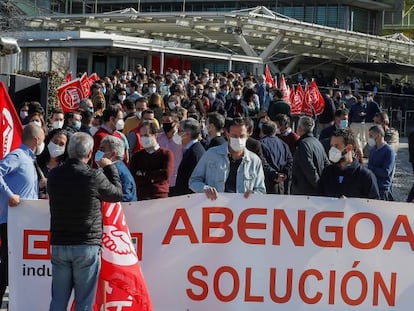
{"points": [[75, 194], [189, 131], [309, 160], [345, 177]]}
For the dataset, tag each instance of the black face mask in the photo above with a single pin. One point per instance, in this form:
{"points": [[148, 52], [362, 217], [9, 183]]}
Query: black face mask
{"points": [[167, 127]]}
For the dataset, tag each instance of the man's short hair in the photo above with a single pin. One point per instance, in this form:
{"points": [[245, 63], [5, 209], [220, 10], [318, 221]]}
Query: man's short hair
{"points": [[278, 93], [282, 119], [383, 117], [217, 120], [110, 111], [192, 126], [235, 122], [306, 124], [129, 104], [115, 145], [269, 128], [87, 117], [377, 129], [31, 131], [347, 135], [153, 128], [83, 104], [341, 113], [133, 84], [80, 145]]}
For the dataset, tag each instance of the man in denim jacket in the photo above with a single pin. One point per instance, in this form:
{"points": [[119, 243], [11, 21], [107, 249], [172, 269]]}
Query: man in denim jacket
{"points": [[229, 167]]}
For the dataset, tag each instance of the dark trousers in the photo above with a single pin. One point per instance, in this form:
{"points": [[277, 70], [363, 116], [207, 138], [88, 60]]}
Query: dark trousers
{"points": [[4, 260]]}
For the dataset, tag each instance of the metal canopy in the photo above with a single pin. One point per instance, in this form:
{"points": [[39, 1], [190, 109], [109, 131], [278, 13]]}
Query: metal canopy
{"points": [[250, 32]]}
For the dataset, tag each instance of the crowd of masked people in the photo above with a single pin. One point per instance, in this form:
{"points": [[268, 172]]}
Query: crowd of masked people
{"points": [[183, 132]]}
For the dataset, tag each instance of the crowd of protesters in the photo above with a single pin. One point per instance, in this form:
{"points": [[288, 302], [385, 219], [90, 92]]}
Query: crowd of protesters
{"points": [[155, 136], [164, 125]]}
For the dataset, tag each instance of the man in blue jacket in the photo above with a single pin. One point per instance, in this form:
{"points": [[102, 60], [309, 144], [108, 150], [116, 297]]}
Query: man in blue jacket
{"points": [[381, 161], [230, 167]]}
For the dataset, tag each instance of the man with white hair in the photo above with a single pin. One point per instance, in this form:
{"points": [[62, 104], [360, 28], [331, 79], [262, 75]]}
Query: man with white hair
{"points": [[113, 148], [309, 160], [75, 195]]}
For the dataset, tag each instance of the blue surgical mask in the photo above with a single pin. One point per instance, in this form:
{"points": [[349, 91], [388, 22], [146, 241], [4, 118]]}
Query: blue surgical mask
{"points": [[77, 125], [99, 155], [343, 124], [260, 125]]}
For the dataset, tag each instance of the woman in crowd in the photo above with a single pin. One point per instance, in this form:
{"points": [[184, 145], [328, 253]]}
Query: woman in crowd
{"points": [[52, 156]]}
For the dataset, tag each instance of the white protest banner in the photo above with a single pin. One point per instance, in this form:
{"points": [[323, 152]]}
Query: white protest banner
{"points": [[268, 252]]}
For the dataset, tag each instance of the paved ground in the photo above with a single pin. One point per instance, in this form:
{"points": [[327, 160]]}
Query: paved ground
{"points": [[404, 177]]}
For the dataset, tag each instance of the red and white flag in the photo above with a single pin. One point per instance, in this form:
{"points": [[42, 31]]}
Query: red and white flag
{"points": [[268, 75], [11, 127], [93, 78], [296, 103], [316, 99], [86, 85], [120, 265], [67, 78], [70, 95], [307, 108], [285, 90]]}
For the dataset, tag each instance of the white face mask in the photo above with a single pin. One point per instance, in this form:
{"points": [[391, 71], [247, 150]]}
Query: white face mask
{"points": [[171, 105], [371, 142], [40, 148], [119, 125], [177, 138], [238, 97], [57, 124], [38, 123], [152, 90], [335, 155], [238, 144], [121, 97], [147, 142], [55, 150]]}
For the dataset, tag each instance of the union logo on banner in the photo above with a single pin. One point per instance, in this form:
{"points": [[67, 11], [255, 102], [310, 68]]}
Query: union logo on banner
{"points": [[120, 265], [70, 95]]}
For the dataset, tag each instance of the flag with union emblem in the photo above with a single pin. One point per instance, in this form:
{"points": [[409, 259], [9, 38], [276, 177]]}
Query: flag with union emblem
{"points": [[121, 271], [70, 95], [11, 127]]}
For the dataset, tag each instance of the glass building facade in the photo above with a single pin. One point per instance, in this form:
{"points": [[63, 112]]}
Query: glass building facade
{"points": [[358, 16]]}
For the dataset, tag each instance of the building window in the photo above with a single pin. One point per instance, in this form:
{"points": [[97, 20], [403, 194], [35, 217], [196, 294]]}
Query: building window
{"points": [[61, 62], [39, 60]]}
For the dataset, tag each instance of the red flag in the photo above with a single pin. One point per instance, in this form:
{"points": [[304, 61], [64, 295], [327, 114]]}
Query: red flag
{"points": [[11, 127], [68, 78], [316, 99], [93, 77], [306, 105], [296, 103], [86, 86], [269, 79], [120, 265], [69, 95], [285, 90]]}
